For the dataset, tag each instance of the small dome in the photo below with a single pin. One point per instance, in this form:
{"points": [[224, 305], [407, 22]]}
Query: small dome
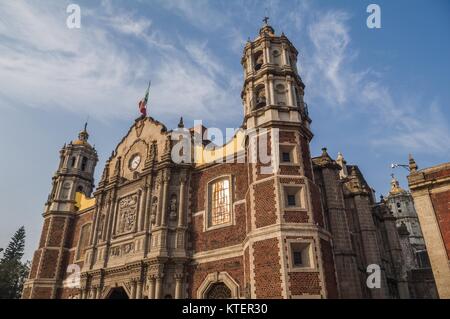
{"points": [[82, 137], [395, 187]]}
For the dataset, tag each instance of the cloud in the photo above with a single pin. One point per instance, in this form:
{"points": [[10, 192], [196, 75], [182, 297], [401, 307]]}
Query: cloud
{"points": [[397, 124], [100, 69]]}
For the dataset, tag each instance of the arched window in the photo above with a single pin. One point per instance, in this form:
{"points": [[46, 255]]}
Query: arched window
{"points": [[218, 291], [259, 60], [73, 161], [260, 97], [84, 163]]}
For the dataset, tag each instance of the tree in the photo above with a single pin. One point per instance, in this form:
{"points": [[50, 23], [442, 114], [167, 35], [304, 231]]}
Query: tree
{"points": [[13, 271]]}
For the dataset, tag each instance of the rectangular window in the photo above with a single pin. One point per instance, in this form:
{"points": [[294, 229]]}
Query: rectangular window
{"points": [[220, 201], [287, 154], [297, 258], [301, 255], [291, 200], [292, 197]]}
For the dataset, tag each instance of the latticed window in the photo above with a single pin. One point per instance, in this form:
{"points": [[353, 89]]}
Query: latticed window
{"points": [[220, 201], [219, 291]]}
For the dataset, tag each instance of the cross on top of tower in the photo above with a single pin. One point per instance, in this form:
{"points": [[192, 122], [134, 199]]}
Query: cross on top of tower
{"points": [[266, 20]]}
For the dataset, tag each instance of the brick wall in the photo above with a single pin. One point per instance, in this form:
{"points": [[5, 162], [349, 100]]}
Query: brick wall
{"points": [[304, 283], [265, 205], [296, 217], [49, 263], [220, 237], [56, 231], [441, 203], [267, 265]]}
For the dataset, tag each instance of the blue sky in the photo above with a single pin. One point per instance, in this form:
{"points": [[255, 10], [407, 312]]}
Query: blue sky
{"points": [[374, 94]]}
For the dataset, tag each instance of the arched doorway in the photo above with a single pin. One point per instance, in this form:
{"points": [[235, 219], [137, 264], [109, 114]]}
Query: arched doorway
{"points": [[218, 291], [118, 293]]}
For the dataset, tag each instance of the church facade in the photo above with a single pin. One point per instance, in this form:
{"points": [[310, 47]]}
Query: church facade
{"points": [[221, 225]]}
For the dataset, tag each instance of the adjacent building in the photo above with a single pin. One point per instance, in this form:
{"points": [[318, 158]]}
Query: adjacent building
{"points": [[430, 188]]}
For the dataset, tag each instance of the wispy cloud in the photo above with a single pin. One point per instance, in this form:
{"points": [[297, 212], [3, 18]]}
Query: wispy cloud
{"points": [[406, 125]]}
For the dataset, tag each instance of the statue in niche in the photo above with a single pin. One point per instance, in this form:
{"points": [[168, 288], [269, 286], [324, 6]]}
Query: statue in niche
{"points": [[173, 207], [154, 210], [101, 225]]}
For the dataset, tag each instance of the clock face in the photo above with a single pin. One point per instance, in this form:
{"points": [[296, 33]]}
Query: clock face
{"points": [[135, 161]]}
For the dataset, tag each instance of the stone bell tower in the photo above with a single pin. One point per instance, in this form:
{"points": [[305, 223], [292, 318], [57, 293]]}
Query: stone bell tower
{"points": [[75, 173], [273, 89], [290, 249]]}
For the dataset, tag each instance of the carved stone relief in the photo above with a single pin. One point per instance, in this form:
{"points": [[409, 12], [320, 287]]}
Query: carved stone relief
{"points": [[127, 214], [122, 250]]}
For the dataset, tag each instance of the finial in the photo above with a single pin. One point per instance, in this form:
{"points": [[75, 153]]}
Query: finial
{"points": [[412, 164], [85, 126], [181, 124], [266, 20], [324, 151]]}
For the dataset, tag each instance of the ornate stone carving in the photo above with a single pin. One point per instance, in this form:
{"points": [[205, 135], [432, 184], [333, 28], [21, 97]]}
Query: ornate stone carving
{"points": [[115, 251], [127, 214], [122, 250]]}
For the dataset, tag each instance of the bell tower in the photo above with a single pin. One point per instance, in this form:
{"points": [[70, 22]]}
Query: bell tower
{"points": [[75, 173], [289, 244], [273, 90]]}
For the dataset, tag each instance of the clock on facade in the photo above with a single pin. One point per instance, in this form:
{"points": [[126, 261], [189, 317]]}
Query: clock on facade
{"points": [[135, 161]]}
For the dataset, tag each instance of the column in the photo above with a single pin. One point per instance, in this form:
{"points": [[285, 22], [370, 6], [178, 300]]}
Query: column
{"points": [[158, 286], [99, 293], [148, 196], [93, 235], [181, 204], [143, 206], [285, 56], [159, 207], [82, 293], [133, 289], [164, 200], [138, 225], [93, 293], [289, 91], [139, 290], [272, 91], [266, 87], [151, 288], [178, 286]]}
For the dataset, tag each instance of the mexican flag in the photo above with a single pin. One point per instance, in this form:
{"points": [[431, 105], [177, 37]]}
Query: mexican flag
{"points": [[143, 102]]}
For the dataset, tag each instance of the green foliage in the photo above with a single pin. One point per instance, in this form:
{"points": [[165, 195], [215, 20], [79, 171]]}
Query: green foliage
{"points": [[13, 272]]}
